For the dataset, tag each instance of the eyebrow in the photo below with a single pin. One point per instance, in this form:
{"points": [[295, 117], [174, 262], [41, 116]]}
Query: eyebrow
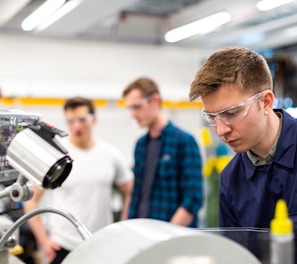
{"points": [[239, 104]]}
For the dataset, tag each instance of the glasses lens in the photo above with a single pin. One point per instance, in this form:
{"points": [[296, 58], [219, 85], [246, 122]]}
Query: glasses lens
{"points": [[231, 114], [209, 118], [80, 120], [228, 116], [234, 114]]}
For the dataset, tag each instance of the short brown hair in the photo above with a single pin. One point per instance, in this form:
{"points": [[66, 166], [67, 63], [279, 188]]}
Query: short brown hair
{"points": [[78, 101], [146, 85], [234, 65]]}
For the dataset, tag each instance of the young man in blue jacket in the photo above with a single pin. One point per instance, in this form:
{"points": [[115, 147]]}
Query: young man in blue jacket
{"points": [[235, 86]]}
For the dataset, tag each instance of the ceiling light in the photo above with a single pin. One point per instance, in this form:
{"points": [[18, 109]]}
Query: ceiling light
{"points": [[201, 26], [69, 5], [290, 32], [265, 5], [42, 13]]}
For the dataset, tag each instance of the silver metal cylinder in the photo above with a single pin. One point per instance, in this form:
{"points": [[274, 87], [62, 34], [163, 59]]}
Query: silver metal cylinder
{"points": [[32, 156]]}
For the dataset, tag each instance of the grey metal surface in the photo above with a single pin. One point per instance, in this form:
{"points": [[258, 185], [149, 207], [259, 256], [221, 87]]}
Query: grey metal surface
{"points": [[149, 241], [32, 156]]}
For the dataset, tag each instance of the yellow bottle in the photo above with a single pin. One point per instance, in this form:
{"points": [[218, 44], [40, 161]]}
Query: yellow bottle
{"points": [[281, 236]]}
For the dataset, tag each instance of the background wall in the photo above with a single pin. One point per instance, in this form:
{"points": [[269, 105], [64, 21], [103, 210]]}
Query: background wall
{"points": [[54, 68], [33, 67], [48, 68], [116, 126]]}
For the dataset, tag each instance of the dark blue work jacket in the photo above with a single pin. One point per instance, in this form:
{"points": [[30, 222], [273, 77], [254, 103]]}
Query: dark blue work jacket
{"points": [[248, 193]]}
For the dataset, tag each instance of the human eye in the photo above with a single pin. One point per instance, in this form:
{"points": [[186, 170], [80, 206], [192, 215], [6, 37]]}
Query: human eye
{"points": [[82, 120], [210, 118], [134, 107], [232, 113], [70, 121]]}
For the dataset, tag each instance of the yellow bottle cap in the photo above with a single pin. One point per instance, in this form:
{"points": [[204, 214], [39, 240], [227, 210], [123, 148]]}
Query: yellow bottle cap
{"points": [[281, 224], [16, 250]]}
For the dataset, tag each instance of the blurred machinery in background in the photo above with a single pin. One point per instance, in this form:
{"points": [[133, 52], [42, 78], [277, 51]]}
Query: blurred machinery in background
{"points": [[11, 122], [29, 152]]}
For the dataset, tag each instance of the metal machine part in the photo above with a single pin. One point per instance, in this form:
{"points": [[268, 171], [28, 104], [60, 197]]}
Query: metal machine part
{"points": [[38, 156], [82, 230], [29, 153], [11, 122], [149, 241], [11, 241]]}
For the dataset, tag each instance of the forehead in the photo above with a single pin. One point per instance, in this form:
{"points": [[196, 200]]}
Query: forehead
{"points": [[225, 96], [77, 111], [134, 95]]}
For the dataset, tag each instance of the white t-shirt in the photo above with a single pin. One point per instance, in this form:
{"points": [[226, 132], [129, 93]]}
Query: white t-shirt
{"points": [[87, 192]]}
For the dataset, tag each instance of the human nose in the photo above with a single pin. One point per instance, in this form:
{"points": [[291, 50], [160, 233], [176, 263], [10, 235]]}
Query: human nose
{"points": [[221, 127], [133, 113], [75, 123]]}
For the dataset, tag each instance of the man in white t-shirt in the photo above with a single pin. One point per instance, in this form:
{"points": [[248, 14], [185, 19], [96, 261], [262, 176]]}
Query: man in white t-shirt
{"points": [[87, 192]]}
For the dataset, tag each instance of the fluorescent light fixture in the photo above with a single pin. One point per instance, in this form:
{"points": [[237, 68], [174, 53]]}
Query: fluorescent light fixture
{"points": [[37, 17], [290, 32], [265, 5], [201, 26], [66, 8]]}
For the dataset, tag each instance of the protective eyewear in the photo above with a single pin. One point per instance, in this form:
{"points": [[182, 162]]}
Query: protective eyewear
{"points": [[80, 120], [139, 105], [231, 114]]}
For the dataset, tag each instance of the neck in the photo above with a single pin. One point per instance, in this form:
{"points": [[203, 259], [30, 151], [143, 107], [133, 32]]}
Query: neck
{"points": [[269, 137], [83, 145], [157, 126]]}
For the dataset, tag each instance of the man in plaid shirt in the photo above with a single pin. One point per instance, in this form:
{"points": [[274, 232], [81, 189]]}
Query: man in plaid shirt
{"points": [[168, 179]]}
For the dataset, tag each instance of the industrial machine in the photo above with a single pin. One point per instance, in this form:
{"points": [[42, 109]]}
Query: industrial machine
{"points": [[147, 241], [29, 152]]}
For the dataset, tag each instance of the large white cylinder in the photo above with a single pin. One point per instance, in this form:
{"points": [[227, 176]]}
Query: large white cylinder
{"points": [[147, 241]]}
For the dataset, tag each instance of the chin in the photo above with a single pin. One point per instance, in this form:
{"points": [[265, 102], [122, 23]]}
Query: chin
{"points": [[142, 125], [239, 149]]}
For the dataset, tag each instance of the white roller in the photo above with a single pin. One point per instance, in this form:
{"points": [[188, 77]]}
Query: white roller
{"points": [[147, 241]]}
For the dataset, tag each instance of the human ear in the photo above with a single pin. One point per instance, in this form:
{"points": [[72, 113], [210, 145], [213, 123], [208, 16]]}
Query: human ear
{"points": [[156, 98], [268, 100]]}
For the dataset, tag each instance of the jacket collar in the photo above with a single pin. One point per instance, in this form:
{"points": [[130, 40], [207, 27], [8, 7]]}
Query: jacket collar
{"points": [[286, 145], [164, 131]]}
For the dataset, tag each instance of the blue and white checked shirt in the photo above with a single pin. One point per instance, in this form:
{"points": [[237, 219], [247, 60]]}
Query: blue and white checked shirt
{"points": [[178, 178]]}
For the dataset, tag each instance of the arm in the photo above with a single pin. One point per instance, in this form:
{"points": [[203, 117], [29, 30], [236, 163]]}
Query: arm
{"points": [[190, 181], [47, 245], [182, 217], [125, 189], [123, 181]]}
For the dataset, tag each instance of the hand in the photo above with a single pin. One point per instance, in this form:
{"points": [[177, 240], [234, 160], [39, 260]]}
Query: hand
{"points": [[49, 248]]}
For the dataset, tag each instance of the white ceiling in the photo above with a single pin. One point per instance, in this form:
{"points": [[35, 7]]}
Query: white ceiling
{"points": [[146, 22]]}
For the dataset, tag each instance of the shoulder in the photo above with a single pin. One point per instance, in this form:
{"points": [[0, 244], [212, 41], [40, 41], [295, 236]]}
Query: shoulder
{"points": [[287, 117], [172, 129], [179, 133], [142, 140]]}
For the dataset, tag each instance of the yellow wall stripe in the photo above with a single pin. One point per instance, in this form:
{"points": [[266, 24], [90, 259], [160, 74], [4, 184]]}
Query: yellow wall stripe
{"points": [[39, 101]]}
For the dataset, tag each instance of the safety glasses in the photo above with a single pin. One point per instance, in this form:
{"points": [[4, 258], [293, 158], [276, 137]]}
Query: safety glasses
{"points": [[231, 114]]}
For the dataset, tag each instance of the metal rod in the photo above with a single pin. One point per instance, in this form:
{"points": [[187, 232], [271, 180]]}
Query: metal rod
{"points": [[83, 231]]}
